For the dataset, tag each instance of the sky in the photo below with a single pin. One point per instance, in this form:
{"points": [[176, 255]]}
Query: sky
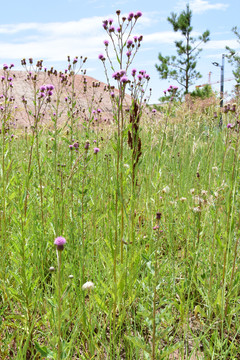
{"points": [[53, 29]]}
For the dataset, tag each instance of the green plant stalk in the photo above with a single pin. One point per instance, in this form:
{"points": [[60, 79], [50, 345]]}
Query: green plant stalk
{"points": [[59, 258]]}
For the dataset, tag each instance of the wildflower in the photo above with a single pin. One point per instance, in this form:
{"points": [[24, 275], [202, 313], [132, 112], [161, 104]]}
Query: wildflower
{"points": [[42, 88], [138, 14], [51, 269], [60, 242], [70, 276], [192, 191], [204, 192], [182, 199], [87, 144], [88, 285], [197, 209], [229, 126], [124, 79], [154, 111], [158, 216], [214, 168], [155, 227], [166, 189], [94, 141], [134, 72], [96, 150], [130, 16], [112, 94], [106, 42], [111, 29], [101, 57], [128, 53], [129, 43], [140, 77], [5, 67]]}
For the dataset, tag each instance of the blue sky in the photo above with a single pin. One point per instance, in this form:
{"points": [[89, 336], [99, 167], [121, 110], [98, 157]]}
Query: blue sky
{"points": [[52, 29]]}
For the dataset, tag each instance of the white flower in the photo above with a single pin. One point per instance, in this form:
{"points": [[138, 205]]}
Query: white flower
{"points": [[204, 192], [197, 209], [166, 189], [183, 199], [88, 285], [214, 168], [192, 191]]}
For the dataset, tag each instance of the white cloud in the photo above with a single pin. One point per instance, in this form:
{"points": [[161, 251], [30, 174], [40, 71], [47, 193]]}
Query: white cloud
{"points": [[200, 6], [221, 44]]}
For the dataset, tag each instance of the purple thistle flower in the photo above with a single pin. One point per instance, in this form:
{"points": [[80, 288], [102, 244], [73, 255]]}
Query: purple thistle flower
{"points": [[106, 42], [147, 77], [50, 93], [124, 79], [128, 53], [155, 227], [140, 38], [140, 77], [5, 67], [70, 147], [41, 95], [154, 111], [101, 57], [129, 43], [111, 29], [42, 88], [3, 78], [99, 110], [94, 112], [104, 26], [96, 150], [112, 94], [118, 29], [10, 79], [130, 16], [60, 242], [135, 38], [138, 14], [76, 145], [110, 21], [134, 72], [229, 126], [105, 22], [11, 66], [95, 141]]}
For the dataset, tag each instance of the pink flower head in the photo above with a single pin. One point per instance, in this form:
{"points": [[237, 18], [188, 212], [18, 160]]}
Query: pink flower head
{"points": [[60, 242], [130, 16], [129, 43], [118, 29], [111, 29], [124, 79], [229, 126], [5, 67], [154, 111], [42, 88], [96, 150], [106, 42], [101, 57], [128, 53], [110, 21], [140, 77], [138, 14], [134, 72]]}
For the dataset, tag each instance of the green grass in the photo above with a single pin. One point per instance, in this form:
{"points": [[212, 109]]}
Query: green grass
{"points": [[185, 275]]}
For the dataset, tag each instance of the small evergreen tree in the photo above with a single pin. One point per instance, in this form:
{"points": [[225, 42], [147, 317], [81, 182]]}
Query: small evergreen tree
{"points": [[182, 67], [234, 58]]}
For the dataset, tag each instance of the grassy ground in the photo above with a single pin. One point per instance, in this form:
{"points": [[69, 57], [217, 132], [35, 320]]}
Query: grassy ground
{"points": [[169, 289]]}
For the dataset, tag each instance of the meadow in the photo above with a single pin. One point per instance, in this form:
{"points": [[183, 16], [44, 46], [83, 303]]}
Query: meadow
{"points": [[119, 239]]}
